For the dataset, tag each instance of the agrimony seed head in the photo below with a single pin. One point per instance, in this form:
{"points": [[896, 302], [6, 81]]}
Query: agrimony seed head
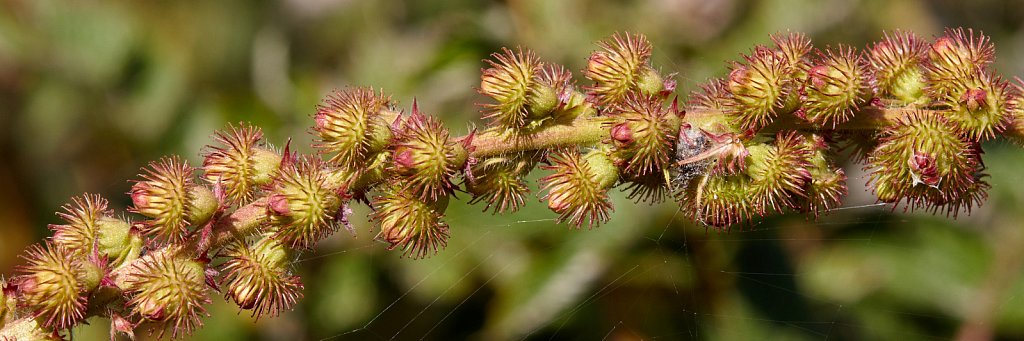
{"points": [[957, 54], [979, 105], [713, 95], [258, 277], [500, 182], [510, 83], [167, 195], [827, 184], [410, 223], [837, 85], [795, 46], [578, 187], [351, 126], [78, 233], [897, 65], [778, 172], [239, 163], [301, 206], [623, 65], [758, 88], [89, 226], [923, 161], [170, 291], [51, 285], [719, 200], [425, 156], [651, 188], [643, 133]]}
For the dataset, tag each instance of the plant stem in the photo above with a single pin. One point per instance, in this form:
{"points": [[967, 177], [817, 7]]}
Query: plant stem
{"points": [[583, 131]]}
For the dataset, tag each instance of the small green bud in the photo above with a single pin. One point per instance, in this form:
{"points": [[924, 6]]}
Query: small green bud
{"points": [[118, 241], [649, 82]]}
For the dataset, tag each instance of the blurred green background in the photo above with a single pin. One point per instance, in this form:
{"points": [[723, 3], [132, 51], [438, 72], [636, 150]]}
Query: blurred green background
{"points": [[90, 91]]}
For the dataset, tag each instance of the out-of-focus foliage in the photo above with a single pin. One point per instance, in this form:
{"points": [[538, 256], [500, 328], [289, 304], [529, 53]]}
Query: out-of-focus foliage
{"points": [[90, 91]]}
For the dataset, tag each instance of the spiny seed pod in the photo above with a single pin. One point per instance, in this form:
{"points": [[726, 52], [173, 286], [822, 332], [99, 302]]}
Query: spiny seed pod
{"points": [[426, 156], [53, 286], [795, 46], [714, 95], [643, 133], [622, 66], [578, 187], [923, 161], [836, 86], [170, 291], [758, 88], [350, 125], [410, 223], [979, 105], [257, 277], [955, 55], [896, 63], [778, 172], [827, 184], [651, 188], [500, 182], [719, 200], [240, 163], [510, 83], [89, 226], [166, 194], [78, 234], [301, 205]]}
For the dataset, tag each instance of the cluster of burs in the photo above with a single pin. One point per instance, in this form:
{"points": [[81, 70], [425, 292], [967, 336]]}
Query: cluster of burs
{"points": [[760, 141]]}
